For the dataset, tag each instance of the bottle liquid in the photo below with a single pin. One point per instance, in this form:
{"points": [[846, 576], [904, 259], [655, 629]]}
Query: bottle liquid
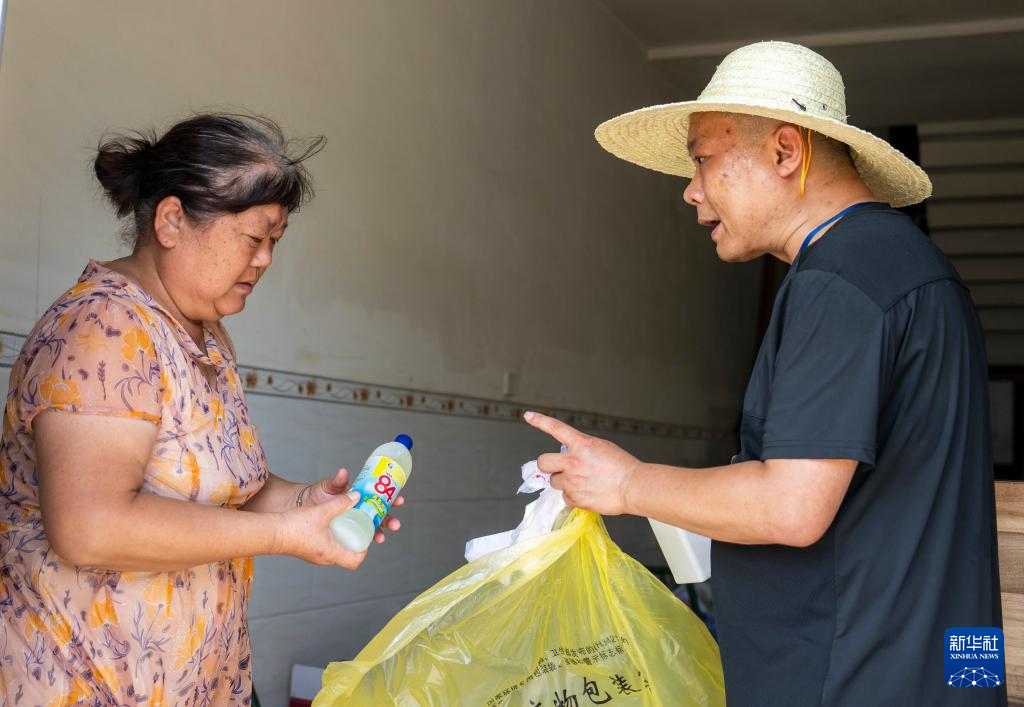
{"points": [[383, 476]]}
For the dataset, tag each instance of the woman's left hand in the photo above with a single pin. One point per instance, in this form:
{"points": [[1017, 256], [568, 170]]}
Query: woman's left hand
{"points": [[334, 486]]}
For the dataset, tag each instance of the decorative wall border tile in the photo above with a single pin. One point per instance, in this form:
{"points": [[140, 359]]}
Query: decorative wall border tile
{"points": [[10, 346], [286, 384]]}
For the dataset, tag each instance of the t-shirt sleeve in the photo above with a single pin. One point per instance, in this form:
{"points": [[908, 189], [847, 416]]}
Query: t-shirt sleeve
{"points": [[96, 357], [829, 366]]}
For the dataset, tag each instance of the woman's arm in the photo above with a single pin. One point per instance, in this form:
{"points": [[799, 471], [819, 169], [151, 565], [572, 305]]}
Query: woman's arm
{"points": [[90, 470], [278, 495]]}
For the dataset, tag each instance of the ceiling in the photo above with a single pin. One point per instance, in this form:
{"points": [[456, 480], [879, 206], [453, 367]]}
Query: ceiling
{"points": [[912, 61]]}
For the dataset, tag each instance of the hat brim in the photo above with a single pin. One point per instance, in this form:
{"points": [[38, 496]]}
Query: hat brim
{"points": [[656, 138]]}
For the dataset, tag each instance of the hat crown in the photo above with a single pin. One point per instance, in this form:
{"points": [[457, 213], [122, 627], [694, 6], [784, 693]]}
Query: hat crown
{"points": [[779, 76]]}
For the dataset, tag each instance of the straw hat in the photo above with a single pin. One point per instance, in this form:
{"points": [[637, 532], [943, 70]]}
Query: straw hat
{"points": [[775, 80]]}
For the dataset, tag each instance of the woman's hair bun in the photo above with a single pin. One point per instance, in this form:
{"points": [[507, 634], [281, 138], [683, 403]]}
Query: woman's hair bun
{"points": [[120, 168]]}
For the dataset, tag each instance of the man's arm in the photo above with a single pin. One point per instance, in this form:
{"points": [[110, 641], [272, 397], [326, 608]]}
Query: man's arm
{"points": [[779, 501]]}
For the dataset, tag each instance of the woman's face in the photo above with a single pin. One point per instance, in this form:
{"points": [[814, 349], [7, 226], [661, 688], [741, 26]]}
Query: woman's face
{"points": [[210, 270]]}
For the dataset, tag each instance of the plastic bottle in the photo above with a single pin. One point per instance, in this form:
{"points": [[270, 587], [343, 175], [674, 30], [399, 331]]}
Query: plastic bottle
{"points": [[688, 554], [379, 483]]}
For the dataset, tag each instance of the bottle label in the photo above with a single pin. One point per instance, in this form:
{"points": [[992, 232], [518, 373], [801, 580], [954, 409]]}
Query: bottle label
{"points": [[378, 485]]}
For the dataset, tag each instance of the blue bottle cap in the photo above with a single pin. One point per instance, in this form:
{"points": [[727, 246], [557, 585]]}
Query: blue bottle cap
{"points": [[406, 440]]}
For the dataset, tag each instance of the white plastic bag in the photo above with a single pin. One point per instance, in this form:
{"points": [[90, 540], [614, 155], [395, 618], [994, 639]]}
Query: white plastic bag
{"points": [[540, 517]]}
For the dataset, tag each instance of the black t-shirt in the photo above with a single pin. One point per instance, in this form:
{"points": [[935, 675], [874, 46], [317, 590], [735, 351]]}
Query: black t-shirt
{"points": [[874, 353]]}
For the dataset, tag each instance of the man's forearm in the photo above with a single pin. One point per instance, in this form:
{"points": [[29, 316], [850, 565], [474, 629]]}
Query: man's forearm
{"points": [[742, 503], [777, 501]]}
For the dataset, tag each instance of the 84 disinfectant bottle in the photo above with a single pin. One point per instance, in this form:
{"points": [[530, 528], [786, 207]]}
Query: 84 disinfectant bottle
{"points": [[383, 476]]}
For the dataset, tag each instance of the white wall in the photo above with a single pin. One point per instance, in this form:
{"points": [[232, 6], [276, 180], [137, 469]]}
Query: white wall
{"points": [[466, 224]]}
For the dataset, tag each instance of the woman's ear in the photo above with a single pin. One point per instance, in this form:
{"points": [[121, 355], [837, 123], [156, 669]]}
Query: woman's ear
{"points": [[169, 221], [787, 145]]}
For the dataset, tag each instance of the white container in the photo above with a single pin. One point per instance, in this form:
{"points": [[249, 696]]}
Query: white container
{"points": [[383, 476], [688, 554]]}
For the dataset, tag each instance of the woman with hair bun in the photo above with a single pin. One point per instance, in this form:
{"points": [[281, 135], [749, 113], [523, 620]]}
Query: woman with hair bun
{"points": [[135, 491]]}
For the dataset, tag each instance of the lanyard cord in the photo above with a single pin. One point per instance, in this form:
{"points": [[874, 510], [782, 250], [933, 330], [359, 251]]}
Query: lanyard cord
{"points": [[817, 229]]}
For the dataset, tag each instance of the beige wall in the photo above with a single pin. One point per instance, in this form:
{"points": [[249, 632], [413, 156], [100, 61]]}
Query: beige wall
{"points": [[466, 225]]}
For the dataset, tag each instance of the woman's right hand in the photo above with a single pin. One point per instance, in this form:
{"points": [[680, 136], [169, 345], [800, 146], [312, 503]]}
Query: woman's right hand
{"points": [[306, 533]]}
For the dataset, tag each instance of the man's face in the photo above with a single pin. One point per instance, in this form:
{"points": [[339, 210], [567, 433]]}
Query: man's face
{"points": [[734, 186]]}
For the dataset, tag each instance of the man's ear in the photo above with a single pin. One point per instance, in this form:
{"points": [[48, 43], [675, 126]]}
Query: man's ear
{"points": [[787, 146], [169, 221]]}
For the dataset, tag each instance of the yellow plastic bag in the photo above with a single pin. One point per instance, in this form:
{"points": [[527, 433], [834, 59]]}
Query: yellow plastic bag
{"points": [[562, 620]]}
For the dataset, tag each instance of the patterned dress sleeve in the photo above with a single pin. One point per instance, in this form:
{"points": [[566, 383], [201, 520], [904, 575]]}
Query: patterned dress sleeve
{"points": [[93, 355]]}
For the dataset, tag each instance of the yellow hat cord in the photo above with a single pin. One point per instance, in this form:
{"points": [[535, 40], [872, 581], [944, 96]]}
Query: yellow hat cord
{"points": [[806, 162]]}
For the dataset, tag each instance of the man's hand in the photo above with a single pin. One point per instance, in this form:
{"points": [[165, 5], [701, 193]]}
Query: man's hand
{"points": [[592, 473]]}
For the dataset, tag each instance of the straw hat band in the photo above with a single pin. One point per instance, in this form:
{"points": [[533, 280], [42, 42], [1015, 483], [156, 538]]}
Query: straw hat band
{"points": [[776, 80]]}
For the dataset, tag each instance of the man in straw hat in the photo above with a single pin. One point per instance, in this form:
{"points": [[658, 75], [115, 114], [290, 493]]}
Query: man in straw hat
{"points": [[857, 523]]}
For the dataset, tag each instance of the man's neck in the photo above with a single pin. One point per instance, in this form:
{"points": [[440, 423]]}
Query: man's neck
{"points": [[816, 207]]}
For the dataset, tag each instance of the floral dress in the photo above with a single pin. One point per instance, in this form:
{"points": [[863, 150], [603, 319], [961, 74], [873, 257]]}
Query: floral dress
{"points": [[81, 635]]}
